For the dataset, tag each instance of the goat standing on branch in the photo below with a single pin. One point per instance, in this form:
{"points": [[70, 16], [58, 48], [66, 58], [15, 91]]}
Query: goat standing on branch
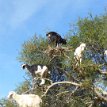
{"points": [[78, 53], [25, 100], [41, 70], [55, 38]]}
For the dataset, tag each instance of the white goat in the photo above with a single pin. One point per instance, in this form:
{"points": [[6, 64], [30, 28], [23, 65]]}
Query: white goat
{"points": [[105, 55], [25, 100], [78, 53]]}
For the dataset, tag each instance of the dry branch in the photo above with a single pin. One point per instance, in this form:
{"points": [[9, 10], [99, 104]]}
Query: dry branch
{"points": [[102, 95], [67, 92], [63, 82], [102, 72], [53, 52], [43, 78]]}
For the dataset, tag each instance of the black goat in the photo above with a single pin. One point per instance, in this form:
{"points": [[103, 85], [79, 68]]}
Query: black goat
{"points": [[55, 38]]}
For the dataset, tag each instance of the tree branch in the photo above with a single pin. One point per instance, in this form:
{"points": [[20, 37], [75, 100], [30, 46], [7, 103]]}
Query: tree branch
{"points": [[101, 96], [102, 72], [63, 82], [67, 92]]}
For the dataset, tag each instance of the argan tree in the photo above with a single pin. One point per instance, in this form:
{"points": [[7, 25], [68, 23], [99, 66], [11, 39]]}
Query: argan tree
{"points": [[70, 85]]}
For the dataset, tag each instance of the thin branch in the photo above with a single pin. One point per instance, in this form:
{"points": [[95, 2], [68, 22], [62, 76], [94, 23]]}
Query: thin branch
{"points": [[103, 92], [58, 50], [64, 92], [102, 72], [67, 92], [90, 105], [29, 90], [26, 79], [66, 56], [45, 79], [54, 56], [63, 82], [100, 95]]}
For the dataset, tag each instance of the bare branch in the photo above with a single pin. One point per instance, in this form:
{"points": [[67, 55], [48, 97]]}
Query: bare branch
{"points": [[64, 92], [57, 51], [101, 96], [44, 78], [68, 92], [62, 82], [102, 72]]}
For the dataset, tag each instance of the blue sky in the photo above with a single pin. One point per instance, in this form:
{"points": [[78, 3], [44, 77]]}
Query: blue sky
{"points": [[21, 19]]}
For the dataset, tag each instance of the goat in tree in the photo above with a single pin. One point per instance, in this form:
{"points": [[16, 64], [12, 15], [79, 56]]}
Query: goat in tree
{"points": [[55, 38], [40, 70], [105, 55], [79, 52]]}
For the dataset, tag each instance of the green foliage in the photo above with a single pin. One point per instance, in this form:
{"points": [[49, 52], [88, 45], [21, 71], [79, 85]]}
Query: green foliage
{"points": [[23, 87], [93, 32], [33, 51], [7, 103], [74, 41]]}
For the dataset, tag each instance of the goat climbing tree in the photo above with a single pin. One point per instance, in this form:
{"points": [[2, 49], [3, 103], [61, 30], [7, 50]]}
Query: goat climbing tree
{"points": [[72, 86]]}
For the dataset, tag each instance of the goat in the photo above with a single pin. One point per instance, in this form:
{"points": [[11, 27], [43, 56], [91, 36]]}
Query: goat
{"points": [[78, 53], [32, 69], [55, 38], [25, 100], [40, 70], [105, 55]]}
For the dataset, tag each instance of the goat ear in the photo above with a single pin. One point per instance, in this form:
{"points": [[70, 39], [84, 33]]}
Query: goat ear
{"points": [[23, 66], [10, 95]]}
